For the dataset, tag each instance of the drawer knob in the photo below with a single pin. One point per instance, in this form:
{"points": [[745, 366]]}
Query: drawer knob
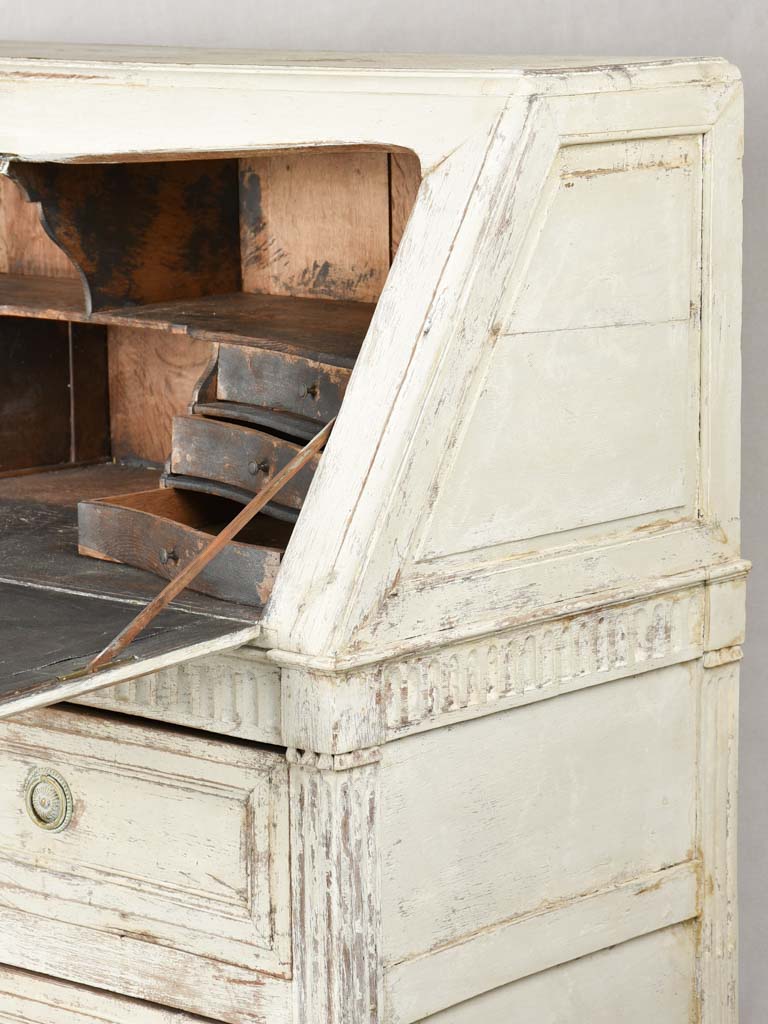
{"points": [[48, 799]]}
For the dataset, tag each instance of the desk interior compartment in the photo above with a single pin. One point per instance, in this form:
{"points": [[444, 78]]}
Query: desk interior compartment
{"points": [[172, 332]]}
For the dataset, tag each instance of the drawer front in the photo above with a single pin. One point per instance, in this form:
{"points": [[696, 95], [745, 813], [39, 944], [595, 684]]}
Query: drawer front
{"points": [[149, 834], [33, 999], [116, 530], [279, 381], [236, 455]]}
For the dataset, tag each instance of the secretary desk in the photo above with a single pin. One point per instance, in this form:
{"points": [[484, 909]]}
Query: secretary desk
{"points": [[448, 733]]}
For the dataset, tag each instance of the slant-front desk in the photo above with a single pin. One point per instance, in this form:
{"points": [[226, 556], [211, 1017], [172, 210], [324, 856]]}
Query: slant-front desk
{"points": [[447, 733]]}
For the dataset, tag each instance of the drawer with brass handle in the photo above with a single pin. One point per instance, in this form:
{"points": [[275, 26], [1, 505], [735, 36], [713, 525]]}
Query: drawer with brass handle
{"points": [[123, 844]]}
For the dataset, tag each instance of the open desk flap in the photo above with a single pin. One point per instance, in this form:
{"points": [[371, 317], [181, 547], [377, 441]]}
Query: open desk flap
{"points": [[47, 637]]}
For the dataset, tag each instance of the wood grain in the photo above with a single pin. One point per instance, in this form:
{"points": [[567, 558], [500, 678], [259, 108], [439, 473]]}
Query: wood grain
{"points": [[330, 331], [315, 224], [89, 393], [25, 248], [33, 999], [141, 232], [35, 426], [280, 382], [191, 570], [38, 538], [236, 455], [152, 375], [164, 530], [404, 182]]}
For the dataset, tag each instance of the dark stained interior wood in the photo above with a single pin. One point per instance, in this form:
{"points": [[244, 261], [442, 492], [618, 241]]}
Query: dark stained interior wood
{"points": [[116, 283], [329, 331], [35, 425], [237, 455], [164, 530], [141, 232], [25, 248], [217, 488], [332, 332], [282, 424], [48, 298], [47, 636], [89, 393], [39, 537]]}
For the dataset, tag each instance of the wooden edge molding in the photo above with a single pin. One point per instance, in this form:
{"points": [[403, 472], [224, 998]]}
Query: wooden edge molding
{"points": [[496, 956], [333, 713], [336, 906], [726, 655], [733, 570], [717, 963]]}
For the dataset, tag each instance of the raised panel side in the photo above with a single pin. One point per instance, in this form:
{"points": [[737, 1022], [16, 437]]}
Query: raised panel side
{"points": [[585, 412], [647, 979], [510, 814]]}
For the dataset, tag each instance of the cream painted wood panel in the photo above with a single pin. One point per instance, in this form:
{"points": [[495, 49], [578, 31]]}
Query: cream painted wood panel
{"points": [[174, 839], [233, 694], [572, 429], [32, 999], [619, 238], [515, 812], [646, 981]]}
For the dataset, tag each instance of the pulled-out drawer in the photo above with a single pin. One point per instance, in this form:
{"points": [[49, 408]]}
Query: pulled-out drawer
{"points": [[148, 861], [237, 455], [164, 529], [279, 381]]}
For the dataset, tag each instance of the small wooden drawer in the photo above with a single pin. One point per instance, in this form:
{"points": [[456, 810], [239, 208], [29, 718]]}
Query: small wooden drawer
{"points": [[148, 861], [236, 455], [164, 529], [279, 381]]}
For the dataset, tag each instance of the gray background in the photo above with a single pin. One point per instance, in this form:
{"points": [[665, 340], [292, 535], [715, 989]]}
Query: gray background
{"points": [[736, 30]]}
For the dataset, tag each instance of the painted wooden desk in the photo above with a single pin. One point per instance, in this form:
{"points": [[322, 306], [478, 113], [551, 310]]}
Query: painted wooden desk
{"points": [[458, 744]]}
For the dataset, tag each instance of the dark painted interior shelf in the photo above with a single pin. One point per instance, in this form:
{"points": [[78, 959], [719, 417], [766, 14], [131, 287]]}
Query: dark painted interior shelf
{"points": [[329, 331]]}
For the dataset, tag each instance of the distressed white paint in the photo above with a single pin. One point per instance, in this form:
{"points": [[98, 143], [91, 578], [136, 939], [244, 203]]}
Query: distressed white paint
{"points": [[615, 216], [717, 969], [468, 809], [32, 999], [563, 389], [177, 841], [639, 982], [535, 942], [234, 694], [555, 820]]}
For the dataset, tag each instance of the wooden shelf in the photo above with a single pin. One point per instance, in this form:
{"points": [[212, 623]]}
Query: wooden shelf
{"points": [[329, 331]]}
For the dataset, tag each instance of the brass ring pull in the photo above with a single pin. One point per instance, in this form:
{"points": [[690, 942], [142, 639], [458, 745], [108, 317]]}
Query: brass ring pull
{"points": [[48, 799]]}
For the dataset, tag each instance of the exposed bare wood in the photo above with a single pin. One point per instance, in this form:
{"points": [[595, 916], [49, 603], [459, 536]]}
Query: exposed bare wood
{"points": [[151, 377], [404, 181], [25, 248], [315, 224]]}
